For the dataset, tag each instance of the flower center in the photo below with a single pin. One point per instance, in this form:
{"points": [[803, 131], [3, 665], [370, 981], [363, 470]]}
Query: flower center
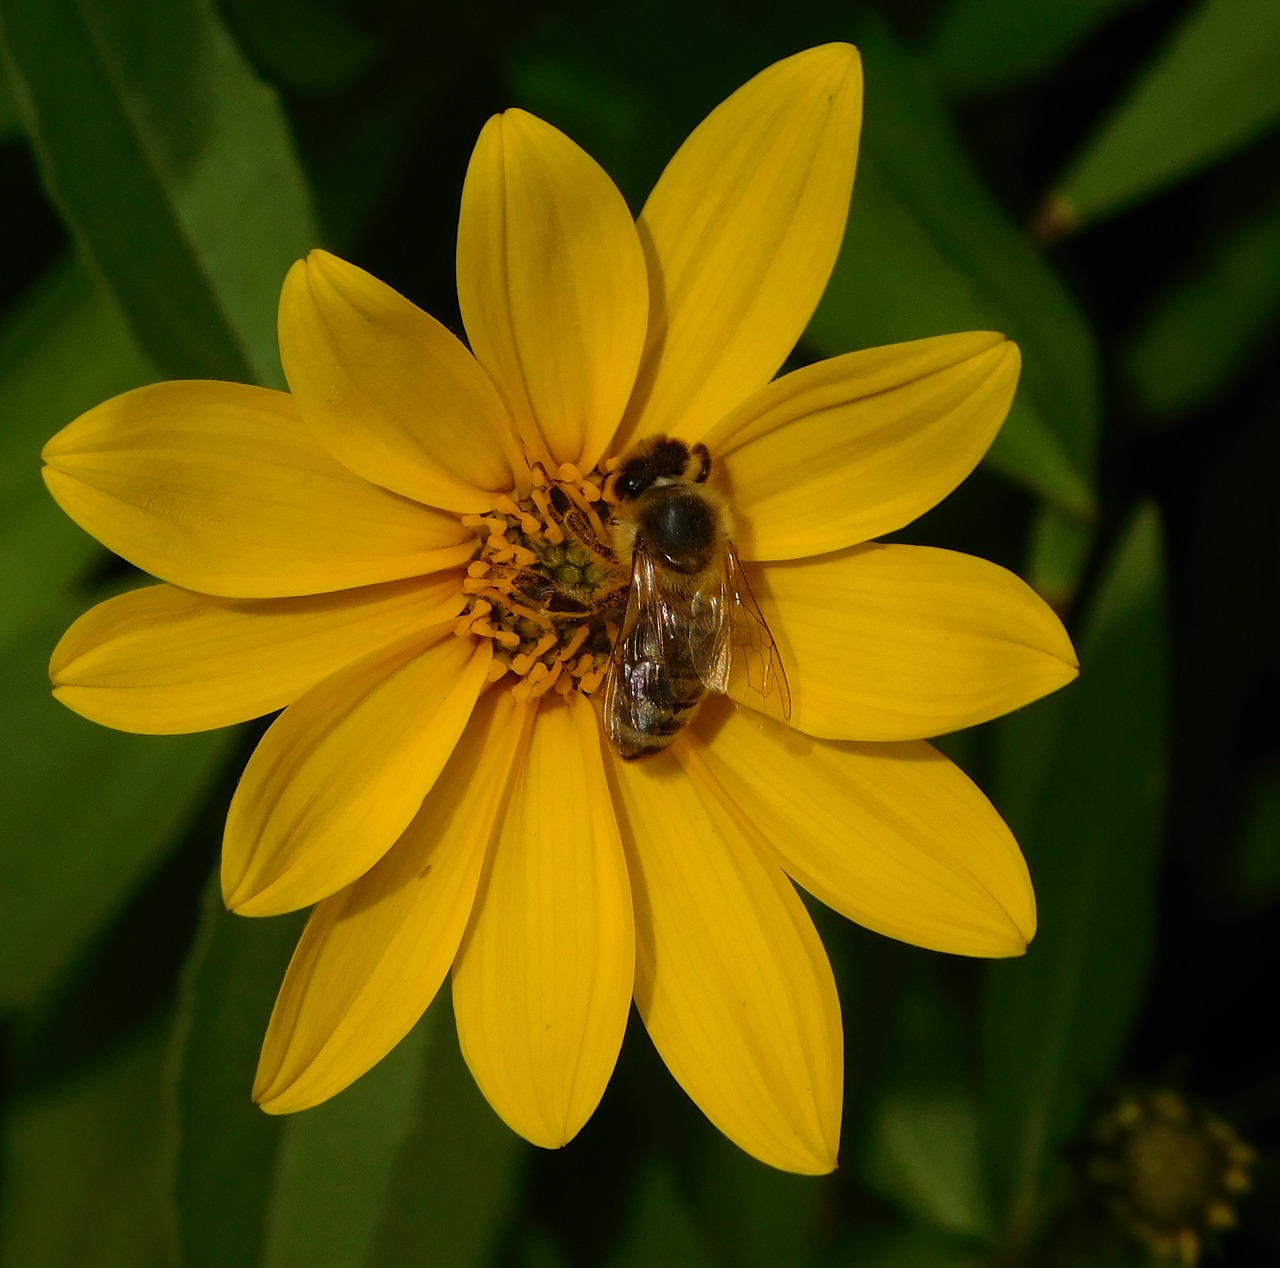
{"points": [[545, 586]]}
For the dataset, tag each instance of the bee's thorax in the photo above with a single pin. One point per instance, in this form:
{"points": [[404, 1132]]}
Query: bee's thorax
{"points": [[680, 526]]}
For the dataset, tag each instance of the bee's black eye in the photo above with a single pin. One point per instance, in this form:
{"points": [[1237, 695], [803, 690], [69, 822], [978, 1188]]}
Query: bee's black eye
{"points": [[661, 458], [632, 480]]}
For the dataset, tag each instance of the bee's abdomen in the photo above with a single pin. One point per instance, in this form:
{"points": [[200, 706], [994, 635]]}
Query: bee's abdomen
{"points": [[663, 697]]}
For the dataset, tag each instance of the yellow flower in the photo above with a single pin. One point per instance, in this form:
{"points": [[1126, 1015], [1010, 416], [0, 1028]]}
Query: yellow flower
{"points": [[359, 553]]}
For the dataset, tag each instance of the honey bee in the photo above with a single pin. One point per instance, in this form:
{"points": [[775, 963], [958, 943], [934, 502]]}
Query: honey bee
{"points": [[690, 618]]}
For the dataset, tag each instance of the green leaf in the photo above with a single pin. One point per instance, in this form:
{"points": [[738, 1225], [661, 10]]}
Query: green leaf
{"points": [[751, 1215], [457, 1181], [987, 46], [172, 166], [928, 251], [1060, 550], [1215, 88], [407, 1166], [926, 1155], [537, 1249], [311, 45], [61, 352], [338, 1163], [922, 1150], [9, 125], [1208, 324], [226, 1148], [660, 1228], [903, 1248], [82, 1160], [87, 814], [1259, 861], [1082, 781]]}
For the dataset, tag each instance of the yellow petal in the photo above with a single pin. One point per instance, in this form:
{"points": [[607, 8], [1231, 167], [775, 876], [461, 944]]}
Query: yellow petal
{"points": [[893, 836], [855, 447], [731, 980], [219, 488], [542, 985], [161, 660], [551, 282], [373, 956], [740, 235], [904, 642], [339, 775], [389, 391]]}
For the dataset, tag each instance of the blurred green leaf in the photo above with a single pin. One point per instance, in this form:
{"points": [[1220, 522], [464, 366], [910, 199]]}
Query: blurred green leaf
{"points": [[173, 167], [922, 1150], [226, 1148], [9, 124], [312, 45], [1082, 781], [751, 1215], [928, 251], [408, 1166], [61, 352], [926, 1154], [338, 1163], [457, 1181], [538, 1250], [660, 1228], [1060, 550], [902, 1248], [1214, 89], [83, 1165], [87, 813], [1259, 864], [986, 46], [1209, 323]]}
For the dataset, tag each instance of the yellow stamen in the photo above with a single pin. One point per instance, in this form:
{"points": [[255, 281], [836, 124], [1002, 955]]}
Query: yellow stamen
{"points": [[577, 639], [544, 585]]}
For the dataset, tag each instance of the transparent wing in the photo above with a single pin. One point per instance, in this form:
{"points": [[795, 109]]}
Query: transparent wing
{"points": [[752, 666], [650, 640]]}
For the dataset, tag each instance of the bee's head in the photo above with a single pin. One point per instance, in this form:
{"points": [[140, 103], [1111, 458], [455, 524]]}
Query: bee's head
{"points": [[659, 460]]}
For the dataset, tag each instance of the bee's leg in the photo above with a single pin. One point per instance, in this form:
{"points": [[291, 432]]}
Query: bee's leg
{"points": [[700, 459]]}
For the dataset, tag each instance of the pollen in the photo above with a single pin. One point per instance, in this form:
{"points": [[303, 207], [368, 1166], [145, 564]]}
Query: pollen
{"points": [[544, 584]]}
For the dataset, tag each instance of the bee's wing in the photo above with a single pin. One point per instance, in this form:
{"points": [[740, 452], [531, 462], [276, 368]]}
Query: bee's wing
{"points": [[648, 633], [752, 664]]}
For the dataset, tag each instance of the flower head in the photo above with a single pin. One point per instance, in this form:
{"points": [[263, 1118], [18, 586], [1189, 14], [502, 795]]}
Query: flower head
{"points": [[1169, 1172], [428, 558]]}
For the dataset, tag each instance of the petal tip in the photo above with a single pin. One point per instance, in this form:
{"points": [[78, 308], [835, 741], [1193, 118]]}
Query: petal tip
{"points": [[247, 899], [841, 61], [240, 894], [296, 283], [51, 451], [272, 1105], [811, 1158], [1071, 658], [273, 1094], [825, 1165], [1009, 362], [1020, 933], [1063, 651], [835, 53]]}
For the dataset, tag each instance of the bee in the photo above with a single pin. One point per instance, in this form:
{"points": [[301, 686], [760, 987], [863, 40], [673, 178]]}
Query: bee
{"points": [[690, 619]]}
